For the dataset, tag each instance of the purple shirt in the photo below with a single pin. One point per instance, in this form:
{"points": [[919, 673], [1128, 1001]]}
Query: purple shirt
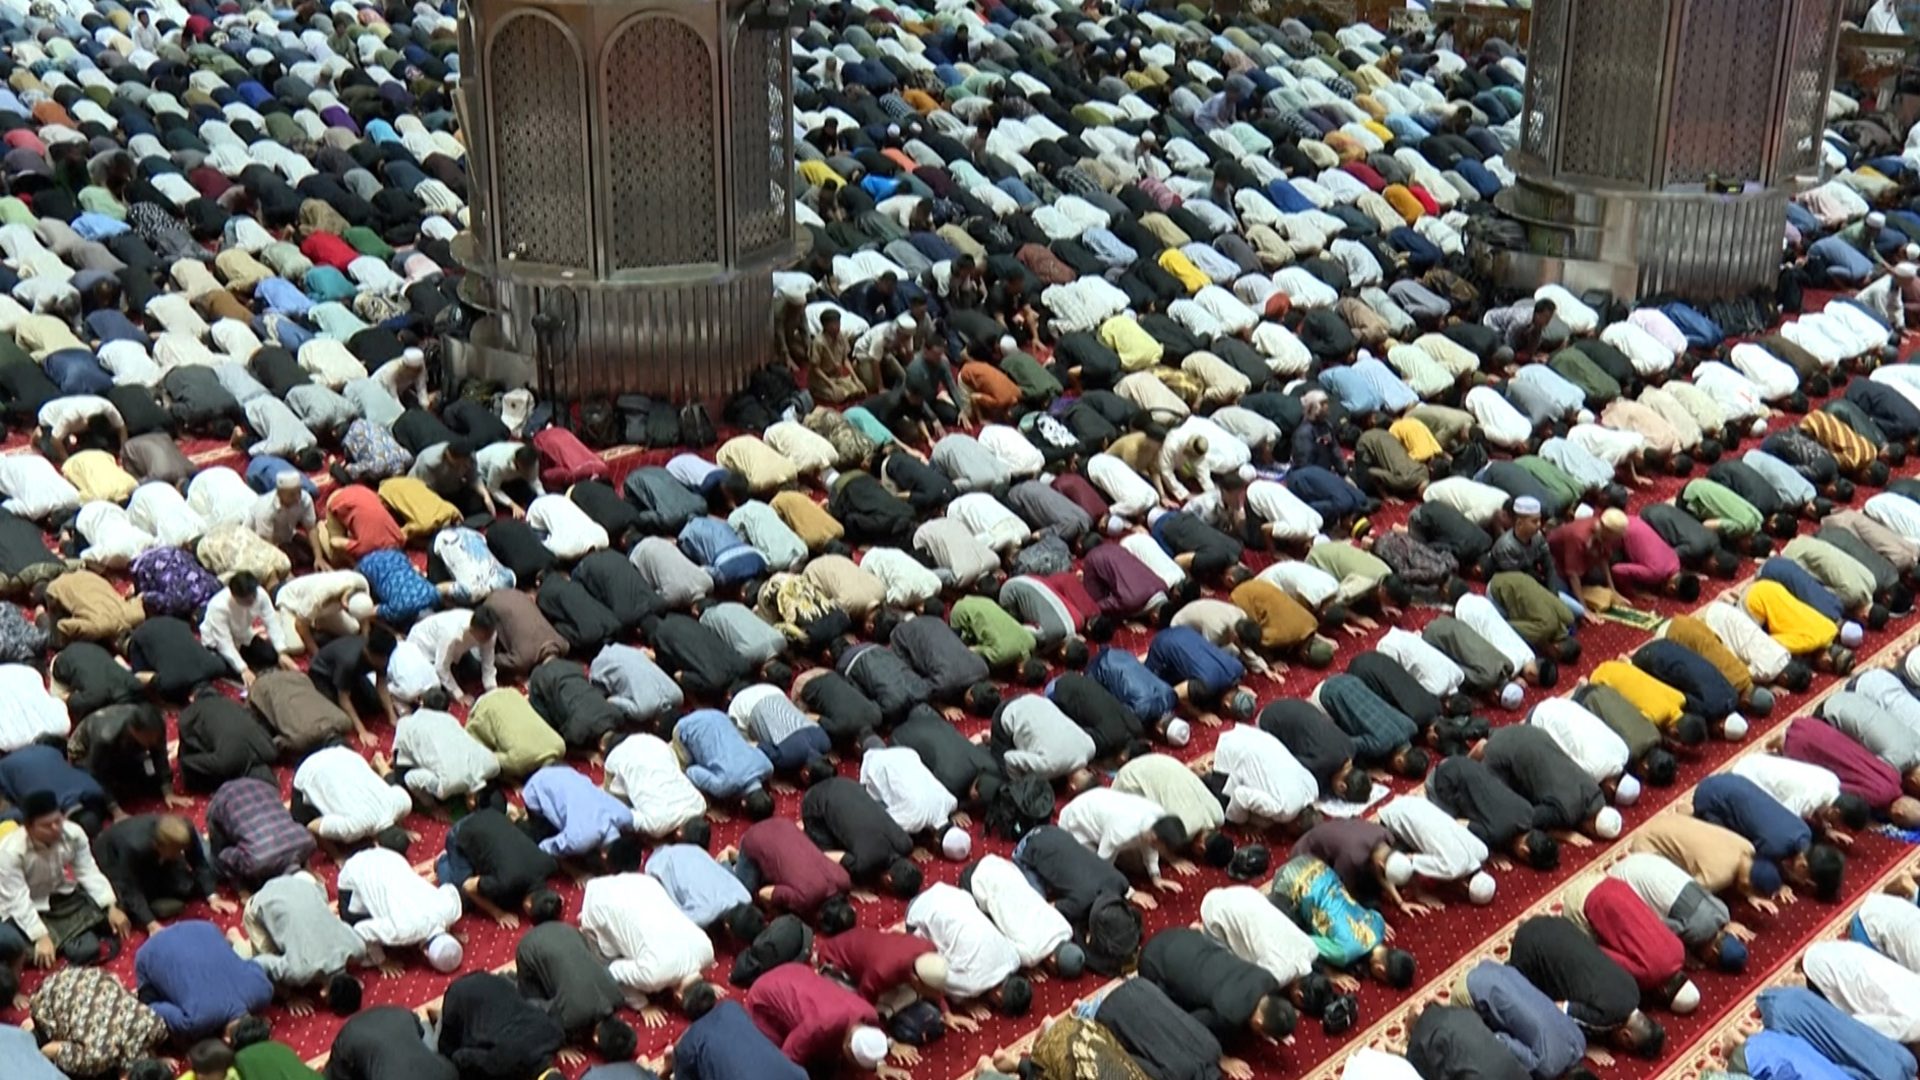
{"points": [[1120, 583]]}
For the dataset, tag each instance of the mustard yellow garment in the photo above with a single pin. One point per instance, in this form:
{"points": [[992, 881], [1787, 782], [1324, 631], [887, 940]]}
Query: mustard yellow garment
{"points": [[1657, 701], [1138, 349], [1798, 628], [419, 510], [1175, 262], [98, 476], [1417, 438]]}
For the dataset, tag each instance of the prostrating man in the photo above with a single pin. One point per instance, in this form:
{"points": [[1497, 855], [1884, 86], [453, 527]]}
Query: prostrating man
{"points": [[1566, 965], [386, 1043], [189, 975], [392, 906], [490, 1032]]}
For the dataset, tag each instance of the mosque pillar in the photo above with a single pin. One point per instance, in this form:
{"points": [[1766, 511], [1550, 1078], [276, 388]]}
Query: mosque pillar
{"points": [[1660, 141], [630, 164]]}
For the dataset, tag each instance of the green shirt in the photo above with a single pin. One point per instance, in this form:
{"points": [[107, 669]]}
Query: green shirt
{"points": [[1575, 367], [1036, 383], [1707, 500], [997, 636], [271, 1061], [506, 723], [1614, 710], [1347, 562], [1837, 570], [1556, 479]]}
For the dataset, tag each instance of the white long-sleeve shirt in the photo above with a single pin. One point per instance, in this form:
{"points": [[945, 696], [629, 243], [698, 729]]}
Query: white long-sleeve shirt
{"points": [[568, 532], [1440, 848], [436, 636], [1736, 629], [354, 801], [30, 875], [27, 711], [1111, 822], [439, 757], [1655, 879], [1871, 988], [1264, 780], [979, 957], [228, 626], [1246, 922], [1599, 751], [909, 583], [1483, 618], [1003, 892], [649, 943], [401, 907], [1434, 670], [899, 780], [644, 771], [1893, 926]]}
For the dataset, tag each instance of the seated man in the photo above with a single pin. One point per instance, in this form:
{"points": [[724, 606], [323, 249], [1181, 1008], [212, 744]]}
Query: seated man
{"points": [[228, 628], [125, 748], [66, 894]]}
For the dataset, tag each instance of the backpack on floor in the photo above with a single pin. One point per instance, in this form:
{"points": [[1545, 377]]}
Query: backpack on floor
{"points": [[599, 424], [663, 428], [696, 427], [1019, 807]]}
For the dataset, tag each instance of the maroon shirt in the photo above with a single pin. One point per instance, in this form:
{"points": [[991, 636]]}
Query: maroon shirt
{"points": [[802, 876], [1084, 495], [1861, 773], [1120, 583], [879, 960], [1631, 935], [805, 1013], [1346, 844]]}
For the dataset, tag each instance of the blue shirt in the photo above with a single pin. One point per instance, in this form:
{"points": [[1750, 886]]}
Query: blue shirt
{"points": [[725, 1045], [1545, 1039], [1848, 1043], [701, 888], [1773, 1055], [263, 473], [724, 765], [584, 817], [1125, 677], [404, 594], [712, 543], [1740, 805], [21, 1059], [191, 977], [1182, 654], [1804, 586], [36, 767], [282, 297]]}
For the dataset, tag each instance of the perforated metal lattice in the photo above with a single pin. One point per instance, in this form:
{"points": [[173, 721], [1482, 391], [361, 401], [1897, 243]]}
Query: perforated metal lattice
{"points": [[1722, 113], [1809, 50], [657, 82], [1546, 68], [538, 96], [1609, 124], [760, 168]]}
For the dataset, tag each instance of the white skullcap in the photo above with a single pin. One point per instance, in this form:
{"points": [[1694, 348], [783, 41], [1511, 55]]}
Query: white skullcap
{"points": [[1527, 506], [904, 322], [1179, 732], [893, 130], [830, 476], [1480, 888], [1905, 270], [1627, 792], [869, 1046], [1758, 428], [444, 953], [956, 845], [1582, 512], [1116, 525], [1007, 344], [1911, 253], [1851, 633], [287, 480], [1399, 869], [1584, 416], [1247, 474], [361, 606], [1511, 694], [413, 358], [1877, 219], [1607, 823], [1735, 729], [1686, 999], [931, 968]]}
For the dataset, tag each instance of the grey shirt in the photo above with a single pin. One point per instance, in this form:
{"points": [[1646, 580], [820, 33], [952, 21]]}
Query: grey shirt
{"points": [[320, 408], [1048, 511], [434, 468], [679, 580], [1032, 602], [633, 683], [21, 1059], [747, 633], [373, 401], [311, 941], [971, 466], [239, 382], [1861, 717], [282, 433]]}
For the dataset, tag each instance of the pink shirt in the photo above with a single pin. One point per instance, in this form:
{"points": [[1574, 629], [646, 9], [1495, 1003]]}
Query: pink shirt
{"points": [[1644, 547], [1660, 327]]}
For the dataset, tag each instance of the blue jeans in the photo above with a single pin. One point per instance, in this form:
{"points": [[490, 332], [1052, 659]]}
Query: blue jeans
{"points": [[794, 751]]}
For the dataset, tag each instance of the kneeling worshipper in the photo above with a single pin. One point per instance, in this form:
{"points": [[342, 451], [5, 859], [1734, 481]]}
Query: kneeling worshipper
{"points": [[1633, 936], [1437, 846], [189, 975], [1700, 918], [1861, 773], [1721, 860], [1566, 965], [1353, 937], [1494, 812], [1234, 998], [1165, 1039], [1453, 1040], [343, 800], [1531, 1025], [1565, 799], [392, 906], [983, 965], [1039, 932], [816, 1021], [1872, 988], [1855, 1048], [488, 1029], [386, 1043], [1249, 924], [294, 936], [93, 1026]]}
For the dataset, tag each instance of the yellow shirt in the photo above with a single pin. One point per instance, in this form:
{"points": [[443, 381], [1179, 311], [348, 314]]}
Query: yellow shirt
{"points": [[1415, 436], [1657, 701], [1176, 263], [98, 476], [820, 174], [1138, 349], [420, 511], [1798, 628], [1404, 203], [764, 468]]}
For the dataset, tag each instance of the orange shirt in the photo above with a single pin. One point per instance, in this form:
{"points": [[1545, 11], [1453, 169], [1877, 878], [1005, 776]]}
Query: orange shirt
{"points": [[366, 519], [989, 385]]}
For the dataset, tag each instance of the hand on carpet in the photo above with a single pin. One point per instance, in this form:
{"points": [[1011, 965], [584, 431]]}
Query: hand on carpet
{"points": [[1599, 1057], [222, 905], [1764, 906], [1740, 931], [653, 1016], [1142, 900], [1347, 984], [1183, 867], [570, 1058], [1415, 909], [1500, 863], [1164, 885], [507, 920], [904, 1053], [964, 821], [391, 969], [718, 816], [1786, 895], [1236, 1069], [921, 855], [177, 801], [956, 1022], [300, 1007], [892, 1072], [862, 896]]}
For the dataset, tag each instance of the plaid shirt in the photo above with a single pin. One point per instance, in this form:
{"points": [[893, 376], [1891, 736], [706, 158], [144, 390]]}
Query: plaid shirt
{"points": [[262, 839], [1377, 728]]}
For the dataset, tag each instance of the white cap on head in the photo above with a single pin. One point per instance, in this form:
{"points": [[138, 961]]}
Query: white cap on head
{"points": [[1480, 888], [956, 844], [444, 953], [1905, 270], [1851, 633], [413, 358], [1527, 506], [893, 130], [1582, 512], [1511, 695], [830, 476], [1584, 416], [1627, 791], [1758, 427], [1399, 869], [1686, 999], [360, 605], [1007, 344], [1179, 732], [904, 322], [1116, 525], [869, 1046], [1248, 473], [1735, 728], [1877, 219], [1606, 823], [287, 480]]}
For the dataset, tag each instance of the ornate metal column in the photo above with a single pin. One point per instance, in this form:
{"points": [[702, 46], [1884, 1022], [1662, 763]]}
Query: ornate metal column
{"points": [[1633, 107], [630, 164]]}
